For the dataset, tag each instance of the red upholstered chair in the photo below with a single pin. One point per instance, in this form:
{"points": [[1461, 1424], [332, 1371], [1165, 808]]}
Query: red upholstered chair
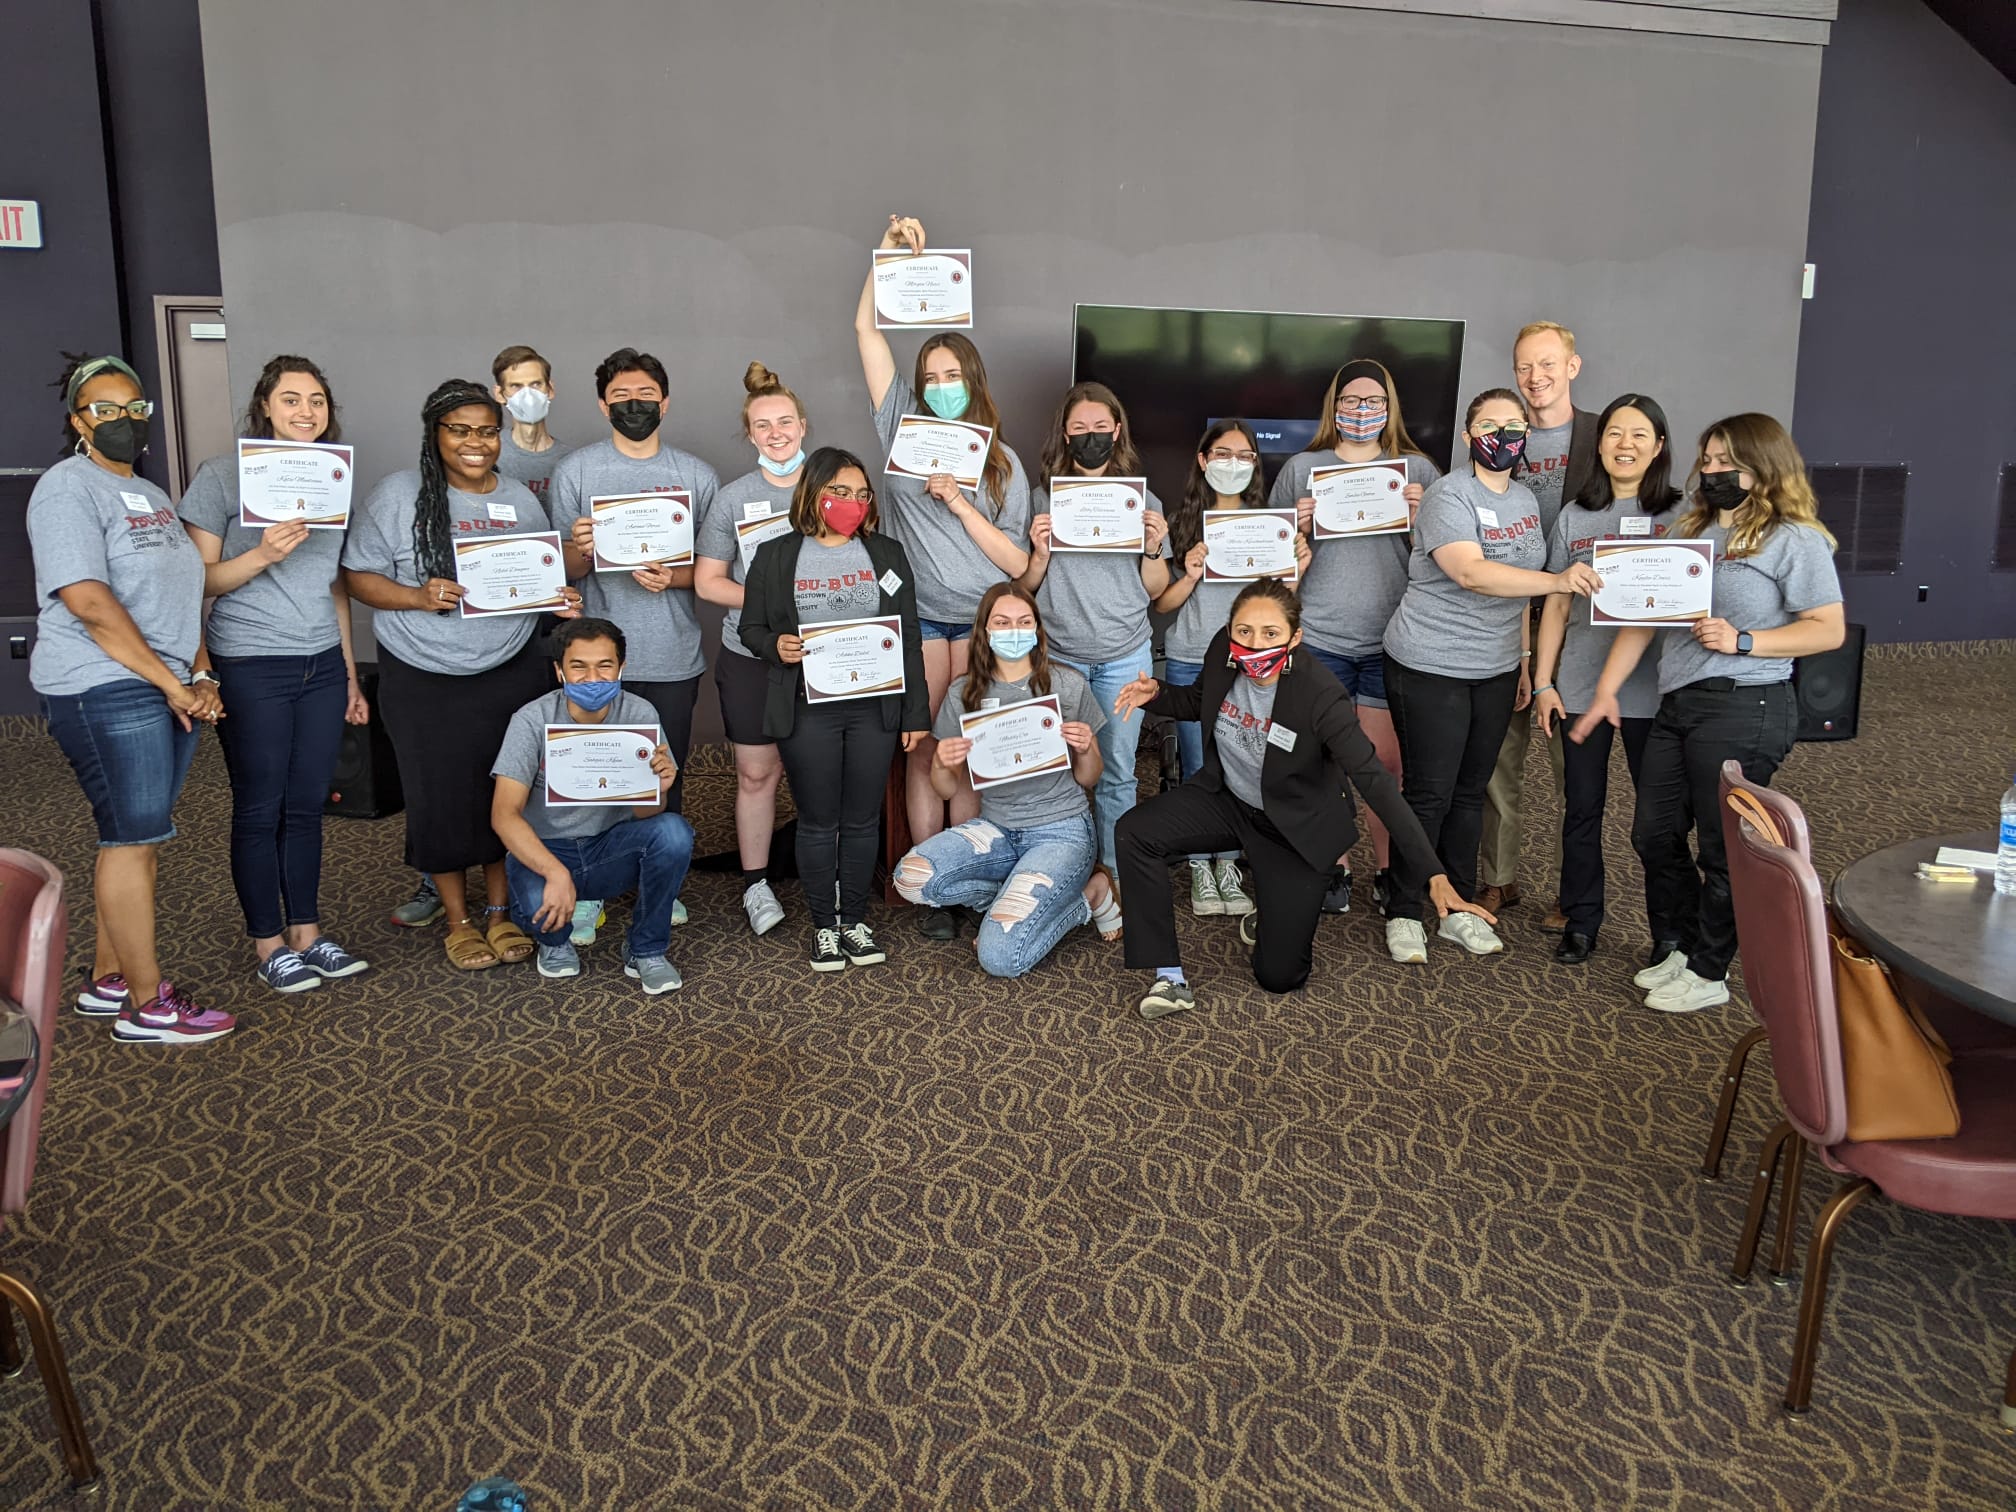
{"points": [[33, 925], [1781, 923]]}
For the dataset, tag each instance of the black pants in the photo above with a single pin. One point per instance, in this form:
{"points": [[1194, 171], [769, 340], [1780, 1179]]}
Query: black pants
{"points": [[837, 757], [1191, 820], [1698, 728], [1585, 775], [1450, 729], [674, 702]]}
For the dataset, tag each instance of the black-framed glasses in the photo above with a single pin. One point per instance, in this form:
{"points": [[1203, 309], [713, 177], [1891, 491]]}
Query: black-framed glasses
{"points": [[1360, 405], [480, 432], [1509, 430], [102, 410]]}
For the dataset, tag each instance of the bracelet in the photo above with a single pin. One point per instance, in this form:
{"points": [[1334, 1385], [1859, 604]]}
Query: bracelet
{"points": [[1543, 688]]}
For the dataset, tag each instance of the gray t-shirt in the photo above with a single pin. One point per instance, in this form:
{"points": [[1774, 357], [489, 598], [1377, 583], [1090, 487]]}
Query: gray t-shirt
{"points": [[1198, 618], [1585, 647], [662, 628], [1244, 719], [86, 525], [835, 582], [717, 541], [533, 469], [1352, 587], [1095, 608], [1544, 468], [1441, 626], [285, 609], [381, 541], [952, 571], [1793, 571], [522, 759], [1035, 800]]}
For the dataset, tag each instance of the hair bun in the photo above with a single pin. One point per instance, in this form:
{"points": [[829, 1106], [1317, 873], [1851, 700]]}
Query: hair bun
{"points": [[760, 380]]}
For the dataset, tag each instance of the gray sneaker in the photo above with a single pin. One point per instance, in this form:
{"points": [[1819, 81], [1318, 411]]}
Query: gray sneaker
{"points": [[422, 909], [1167, 997], [562, 960], [654, 974]]}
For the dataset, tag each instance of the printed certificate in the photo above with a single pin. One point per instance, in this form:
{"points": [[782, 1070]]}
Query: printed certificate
{"points": [[1243, 544], [749, 534], [1098, 514], [600, 766], [860, 658], [1359, 499], [514, 574], [929, 288], [307, 481], [642, 530], [1652, 582], [1015, 742], [926, 445]]}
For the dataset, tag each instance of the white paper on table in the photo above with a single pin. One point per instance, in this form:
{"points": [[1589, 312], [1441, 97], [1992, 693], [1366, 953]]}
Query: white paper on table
{"points": [[1952, 855]]}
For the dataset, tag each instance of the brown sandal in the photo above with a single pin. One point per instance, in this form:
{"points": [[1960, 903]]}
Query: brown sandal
{"points": [[510, 942], [467, 950]]}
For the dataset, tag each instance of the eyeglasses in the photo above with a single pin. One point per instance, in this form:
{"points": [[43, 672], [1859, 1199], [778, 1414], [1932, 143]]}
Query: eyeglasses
{"points": [[106, 409], [1510, 430], [480, 432], [1363, 406], [1220, 454], [841, 491]]}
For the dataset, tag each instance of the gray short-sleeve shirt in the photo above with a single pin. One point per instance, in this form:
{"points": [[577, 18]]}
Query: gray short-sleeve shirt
{"points": [[522, 758], [285, 609], [1544, 469], [1095, 608], [533, 469], [717, 540], [835, 582], [1793, 571], [1585, 647], [381, 541], [1443, 627], [88, 525], [1352, 587], [1198, 618], [662, 628], [1036, 800], [1243, 720], [952, 571]]}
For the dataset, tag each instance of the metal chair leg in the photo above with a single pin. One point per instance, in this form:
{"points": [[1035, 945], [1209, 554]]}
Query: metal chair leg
{"points": [[1813, 1293], [1788, 1214], [55, 1380], [1760, 1199], [2009, 1394], [1732, 1079], [12, 1361]]}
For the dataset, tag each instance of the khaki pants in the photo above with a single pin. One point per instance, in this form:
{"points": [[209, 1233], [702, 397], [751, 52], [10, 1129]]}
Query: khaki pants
{"points": [[1498, 866]]}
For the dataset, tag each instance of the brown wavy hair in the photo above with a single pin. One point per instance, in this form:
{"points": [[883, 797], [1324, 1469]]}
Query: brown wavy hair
{"points": [[1393, 439], [820, 469], [980, 408], [980, 651], [257, 426], [1780, 492], [1186, 525], [1056, 461]]}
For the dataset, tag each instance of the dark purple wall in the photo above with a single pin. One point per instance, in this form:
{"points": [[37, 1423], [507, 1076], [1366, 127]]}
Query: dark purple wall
{"points": [[1908, 351]]}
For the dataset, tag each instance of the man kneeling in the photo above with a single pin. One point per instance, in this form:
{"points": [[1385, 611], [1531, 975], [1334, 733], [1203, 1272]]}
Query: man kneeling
{"points": [[561, 851]]}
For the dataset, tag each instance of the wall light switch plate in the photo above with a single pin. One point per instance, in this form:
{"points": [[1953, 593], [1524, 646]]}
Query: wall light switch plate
{"points": [[1806, 282]]}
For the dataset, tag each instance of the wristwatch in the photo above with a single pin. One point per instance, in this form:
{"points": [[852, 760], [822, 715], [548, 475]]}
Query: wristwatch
{"points": [[1742, 642]]}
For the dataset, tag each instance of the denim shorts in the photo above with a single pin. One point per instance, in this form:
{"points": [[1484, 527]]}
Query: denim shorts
{"points": [[1364, 677], [130, 754], [945, 630]]}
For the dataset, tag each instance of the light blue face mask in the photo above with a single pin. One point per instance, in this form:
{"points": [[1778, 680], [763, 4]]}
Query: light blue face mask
{"points": [[1012, 645], [785, 468], [593, 696], [948, 401]]}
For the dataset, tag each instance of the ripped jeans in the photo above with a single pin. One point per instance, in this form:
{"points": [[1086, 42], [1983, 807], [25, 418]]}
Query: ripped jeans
{"points": [[1028, 884]]}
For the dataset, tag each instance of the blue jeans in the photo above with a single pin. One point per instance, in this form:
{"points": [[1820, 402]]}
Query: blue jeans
{"points": [[1118, 741], [945, 630], [282, 729], [130, 755], [650, 855], [1363, 677], [1035, 876], [1190, 735]]}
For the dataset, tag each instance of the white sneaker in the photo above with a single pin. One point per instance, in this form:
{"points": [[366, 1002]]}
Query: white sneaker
{"points": [[1472, 933], [1664, 972], [1231, 896], [760, 903], [1406, 941], [1204, 899], [1687, 993]]}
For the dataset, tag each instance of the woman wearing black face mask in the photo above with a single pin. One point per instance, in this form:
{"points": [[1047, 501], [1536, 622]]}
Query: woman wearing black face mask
{"points": [[1282, 750], [120, 665], [1456, 654]]}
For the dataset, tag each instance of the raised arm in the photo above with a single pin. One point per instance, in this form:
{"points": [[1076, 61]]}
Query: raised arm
{"points": [[878, 363]]}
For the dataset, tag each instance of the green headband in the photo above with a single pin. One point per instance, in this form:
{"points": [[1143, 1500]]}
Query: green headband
{"points": [[90, 369]]}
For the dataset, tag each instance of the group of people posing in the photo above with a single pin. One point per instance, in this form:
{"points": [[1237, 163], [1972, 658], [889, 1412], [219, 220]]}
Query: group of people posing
{"points": [[1393, 666]]}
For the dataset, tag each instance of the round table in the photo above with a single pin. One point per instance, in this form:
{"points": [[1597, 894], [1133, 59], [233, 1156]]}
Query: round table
{"points": [[20, 1059], [1955, 937]]}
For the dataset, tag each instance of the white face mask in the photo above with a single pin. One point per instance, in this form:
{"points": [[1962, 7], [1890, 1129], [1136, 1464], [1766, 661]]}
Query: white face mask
{"points": [[1228, 477], [528, 406]]}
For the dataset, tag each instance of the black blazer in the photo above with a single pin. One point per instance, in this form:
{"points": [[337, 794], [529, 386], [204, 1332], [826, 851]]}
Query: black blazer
{"points": [[1581, 456], [1304, 791], [770, 609]]}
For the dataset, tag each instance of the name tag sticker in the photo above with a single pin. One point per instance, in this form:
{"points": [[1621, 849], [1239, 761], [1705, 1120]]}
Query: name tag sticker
{"points": [[891, 582], [990, 703], [136, 503], [508, 513], [1635, 525], [1280, 735], [1488, 516], [756, 509]]}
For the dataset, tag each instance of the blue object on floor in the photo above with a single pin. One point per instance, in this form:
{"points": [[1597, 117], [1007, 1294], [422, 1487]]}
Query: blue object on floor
{"points": [[496, 1493]]}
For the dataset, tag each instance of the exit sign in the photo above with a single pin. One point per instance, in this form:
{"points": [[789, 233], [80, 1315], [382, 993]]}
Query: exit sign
{"points": [[20, 224]]}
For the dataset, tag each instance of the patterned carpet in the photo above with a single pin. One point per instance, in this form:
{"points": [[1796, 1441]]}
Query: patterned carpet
{"points": [[911, 1238]]}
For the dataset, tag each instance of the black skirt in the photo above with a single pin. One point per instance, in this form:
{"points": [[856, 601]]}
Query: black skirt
{"points": [[446, 731]]}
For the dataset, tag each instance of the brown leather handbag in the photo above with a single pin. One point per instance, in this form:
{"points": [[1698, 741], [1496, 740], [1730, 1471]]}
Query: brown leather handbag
{"points": [[1893, 1061]]}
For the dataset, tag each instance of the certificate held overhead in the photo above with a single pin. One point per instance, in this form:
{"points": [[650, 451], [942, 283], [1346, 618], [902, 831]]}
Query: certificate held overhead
{"points": [[933, 287]]}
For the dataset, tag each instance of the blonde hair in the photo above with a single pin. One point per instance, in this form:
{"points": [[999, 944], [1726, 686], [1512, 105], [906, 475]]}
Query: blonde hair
{"points": [[760, 383], [1542, 328], [1780, 491]]}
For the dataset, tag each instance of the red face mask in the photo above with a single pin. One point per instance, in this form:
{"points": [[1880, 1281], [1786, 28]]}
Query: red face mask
{"points": [[1257, 663], [843, 516]]}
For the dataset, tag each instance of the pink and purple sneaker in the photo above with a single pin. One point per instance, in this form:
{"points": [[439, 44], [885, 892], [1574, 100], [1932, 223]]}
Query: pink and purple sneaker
{"points": [[103, 997], [171, 1019]]}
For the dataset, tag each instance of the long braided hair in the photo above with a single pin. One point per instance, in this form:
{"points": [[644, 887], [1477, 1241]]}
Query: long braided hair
{"points": [[433, 528]]}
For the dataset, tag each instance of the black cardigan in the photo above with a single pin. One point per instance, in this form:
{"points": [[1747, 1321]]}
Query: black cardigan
{"points": [[770, 609], [1304, 791]]}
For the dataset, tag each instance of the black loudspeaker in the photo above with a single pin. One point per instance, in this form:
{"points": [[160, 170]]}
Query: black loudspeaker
{"points": [[1829, 690], [365, 784]]}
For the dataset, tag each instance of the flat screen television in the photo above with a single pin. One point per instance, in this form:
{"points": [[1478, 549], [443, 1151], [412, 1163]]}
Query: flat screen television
{"points": [[1177, 371]]}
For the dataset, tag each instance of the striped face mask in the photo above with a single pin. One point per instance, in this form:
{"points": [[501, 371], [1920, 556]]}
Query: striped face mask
{"points": [[1360, 427]]}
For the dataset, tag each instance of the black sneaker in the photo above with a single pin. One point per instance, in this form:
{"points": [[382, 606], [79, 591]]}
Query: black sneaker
{"points": [[939, 924], [1382, 891], [1337, 897], [826, 952], [1167, 997], [857, 943]]}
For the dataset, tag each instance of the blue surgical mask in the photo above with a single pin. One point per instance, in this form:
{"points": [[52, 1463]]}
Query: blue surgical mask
{"points": [[948, 401], [785, 468], [593, 696], [1012, 645]]}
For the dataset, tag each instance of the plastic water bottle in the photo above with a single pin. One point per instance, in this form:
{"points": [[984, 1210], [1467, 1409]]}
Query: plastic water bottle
{"points": [[2005, 853]]}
